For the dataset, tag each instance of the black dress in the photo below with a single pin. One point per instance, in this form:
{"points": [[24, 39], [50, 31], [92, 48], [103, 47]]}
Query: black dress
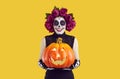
{"points": [[59, 73]]}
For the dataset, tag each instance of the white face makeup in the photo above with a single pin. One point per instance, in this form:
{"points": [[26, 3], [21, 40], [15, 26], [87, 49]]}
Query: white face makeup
{"points": [[59, 25]]}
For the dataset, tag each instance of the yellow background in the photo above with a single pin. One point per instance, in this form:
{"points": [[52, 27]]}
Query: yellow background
{"points": [[97, 30]]}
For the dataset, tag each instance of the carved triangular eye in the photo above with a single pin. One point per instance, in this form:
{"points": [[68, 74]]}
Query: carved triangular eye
{"points": [[62, 49], [54, 49]]}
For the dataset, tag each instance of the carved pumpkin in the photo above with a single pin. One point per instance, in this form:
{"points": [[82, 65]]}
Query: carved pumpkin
{"points": [[58, 55]]}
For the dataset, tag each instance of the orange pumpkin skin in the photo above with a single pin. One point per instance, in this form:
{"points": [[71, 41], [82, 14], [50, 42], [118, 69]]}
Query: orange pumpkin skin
{"points": [[58, 55]]}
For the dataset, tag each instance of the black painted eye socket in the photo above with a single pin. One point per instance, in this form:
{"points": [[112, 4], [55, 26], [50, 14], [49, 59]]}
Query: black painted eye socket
{"points": [[55, 23], [62, 23]]}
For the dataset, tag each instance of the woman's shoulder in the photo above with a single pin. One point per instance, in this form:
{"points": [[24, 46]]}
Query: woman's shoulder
{"points": [[70, 36]]}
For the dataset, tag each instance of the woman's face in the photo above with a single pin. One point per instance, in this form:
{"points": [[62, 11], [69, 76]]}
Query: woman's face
{"points": [[59, 25]]}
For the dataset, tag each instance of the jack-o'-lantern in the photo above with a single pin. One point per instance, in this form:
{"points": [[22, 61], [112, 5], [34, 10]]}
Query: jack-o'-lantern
{"points": [[58, 55]]}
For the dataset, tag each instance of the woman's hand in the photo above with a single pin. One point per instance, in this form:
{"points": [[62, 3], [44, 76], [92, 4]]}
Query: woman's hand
{"points": [[42, 65], [75, 64]]}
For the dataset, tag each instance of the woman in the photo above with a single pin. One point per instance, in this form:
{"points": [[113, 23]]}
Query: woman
{"points": [[57, 22]]}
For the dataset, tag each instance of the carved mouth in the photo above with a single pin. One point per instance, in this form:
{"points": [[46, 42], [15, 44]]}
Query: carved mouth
{"points": [[58, 62]]}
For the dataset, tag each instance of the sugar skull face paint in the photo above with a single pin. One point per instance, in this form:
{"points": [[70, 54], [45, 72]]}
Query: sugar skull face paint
{"points": [[59, 25]]}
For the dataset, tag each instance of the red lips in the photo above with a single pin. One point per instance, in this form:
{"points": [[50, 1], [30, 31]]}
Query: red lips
{"points": [[59, 30]]}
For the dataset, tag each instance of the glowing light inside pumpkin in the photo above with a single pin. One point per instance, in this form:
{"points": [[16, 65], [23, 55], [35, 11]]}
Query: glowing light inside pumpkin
{"points": [[58, 62]]}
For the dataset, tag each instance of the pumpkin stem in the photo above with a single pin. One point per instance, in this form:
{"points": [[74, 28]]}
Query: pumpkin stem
{"points": [[59, 40]]}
